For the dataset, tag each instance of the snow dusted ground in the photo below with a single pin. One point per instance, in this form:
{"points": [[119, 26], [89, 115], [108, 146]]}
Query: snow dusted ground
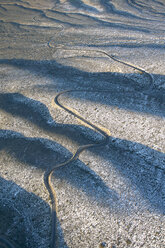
{"points": [[115, 194]]}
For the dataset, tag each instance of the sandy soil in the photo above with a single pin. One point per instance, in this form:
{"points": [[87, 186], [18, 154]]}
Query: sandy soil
{"points": [[115, 194]]}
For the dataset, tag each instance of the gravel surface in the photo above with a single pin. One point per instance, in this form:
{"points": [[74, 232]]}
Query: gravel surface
{"points": [[112, 196]]}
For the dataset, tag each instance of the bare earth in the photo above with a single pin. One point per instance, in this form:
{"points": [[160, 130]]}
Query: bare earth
{"points": [[115, 194]]}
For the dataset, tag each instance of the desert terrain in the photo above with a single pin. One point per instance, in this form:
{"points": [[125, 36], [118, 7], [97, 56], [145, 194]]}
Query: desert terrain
{"points": [[112, 55]]}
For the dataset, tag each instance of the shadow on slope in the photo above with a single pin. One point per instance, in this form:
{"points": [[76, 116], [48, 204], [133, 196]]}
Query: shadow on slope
{"points": [[45, 154], [154, 7], [124, 90], [142, 166], [37, 113], [24, 217]]}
